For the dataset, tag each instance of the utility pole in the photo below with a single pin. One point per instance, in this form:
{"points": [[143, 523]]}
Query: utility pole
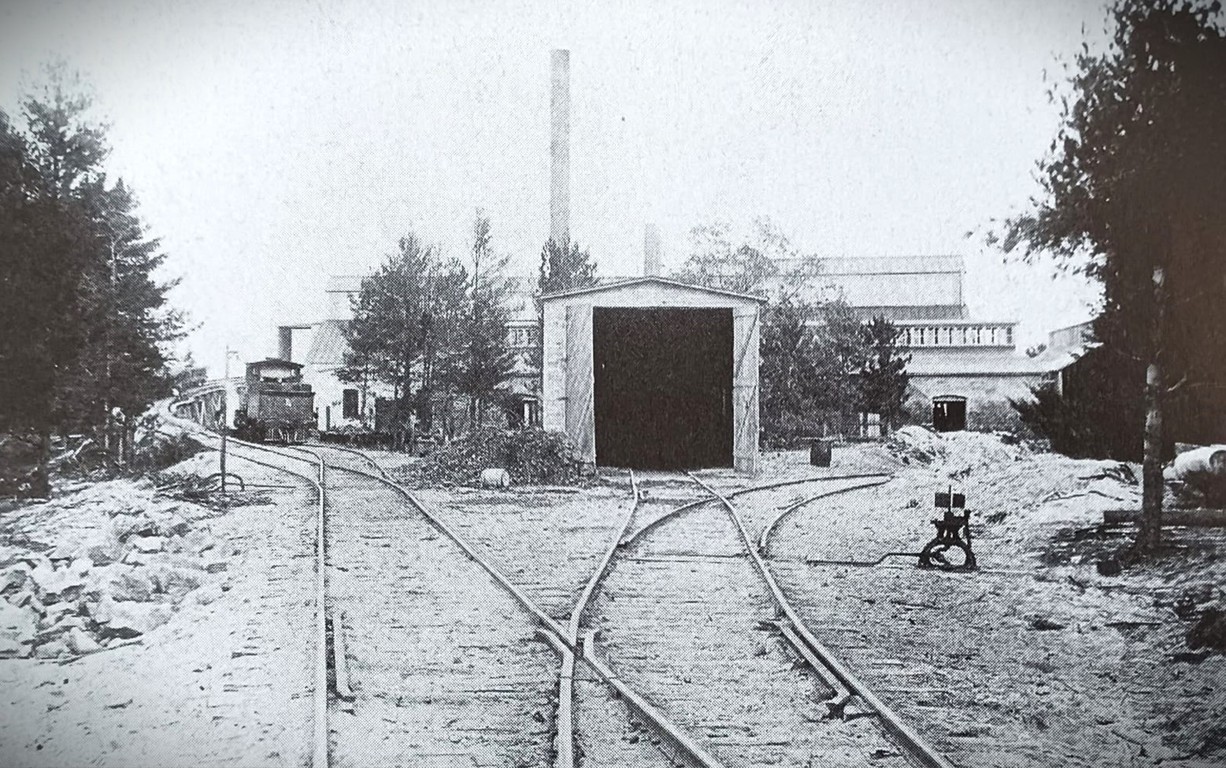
{"points": [[225, 410]]}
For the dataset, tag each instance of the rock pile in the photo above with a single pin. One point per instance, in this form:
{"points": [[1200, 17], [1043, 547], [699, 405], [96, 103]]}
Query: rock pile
{"points": [[123, 561]]}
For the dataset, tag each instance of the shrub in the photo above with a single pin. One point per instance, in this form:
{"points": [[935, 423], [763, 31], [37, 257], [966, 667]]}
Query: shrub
{"points": [[530, 456], [156, 452]]}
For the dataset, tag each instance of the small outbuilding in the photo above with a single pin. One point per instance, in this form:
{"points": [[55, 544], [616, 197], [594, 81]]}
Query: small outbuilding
{"points": [[653, 373]]}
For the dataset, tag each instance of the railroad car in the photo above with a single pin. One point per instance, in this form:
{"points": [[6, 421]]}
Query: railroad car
{"points": [[276, 405]]}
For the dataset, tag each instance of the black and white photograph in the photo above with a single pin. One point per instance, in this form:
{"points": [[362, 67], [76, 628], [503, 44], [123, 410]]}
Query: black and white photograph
{"points": [[630, 384]]}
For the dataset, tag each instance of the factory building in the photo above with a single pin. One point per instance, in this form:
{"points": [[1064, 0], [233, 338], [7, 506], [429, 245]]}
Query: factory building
{"points": [[653, 373]]}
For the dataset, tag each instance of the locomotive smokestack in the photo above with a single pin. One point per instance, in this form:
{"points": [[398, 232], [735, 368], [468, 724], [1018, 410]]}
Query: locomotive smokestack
{"points": [[653, 260], [559, 147]]}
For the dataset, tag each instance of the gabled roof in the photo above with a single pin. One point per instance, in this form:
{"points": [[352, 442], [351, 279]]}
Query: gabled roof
{"points": [[664, 281]]}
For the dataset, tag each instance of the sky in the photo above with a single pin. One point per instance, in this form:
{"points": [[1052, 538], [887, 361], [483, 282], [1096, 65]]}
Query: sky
{"points": [[274, 142]]}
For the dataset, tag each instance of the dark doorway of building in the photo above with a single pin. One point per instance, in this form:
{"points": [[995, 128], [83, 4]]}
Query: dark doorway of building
{"points": [[949, 414], [663, 387]]}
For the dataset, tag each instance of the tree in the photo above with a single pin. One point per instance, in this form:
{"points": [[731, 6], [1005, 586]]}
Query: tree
{"points": [[839, 355], [1135, 179], [487, 360], [88, 322], [750, 266], [564, 267], [788, 371], [883, 374], [403, 327]]}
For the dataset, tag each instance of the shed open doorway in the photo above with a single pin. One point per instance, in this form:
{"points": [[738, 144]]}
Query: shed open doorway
{"points": [[949, 413], [663, 387]]}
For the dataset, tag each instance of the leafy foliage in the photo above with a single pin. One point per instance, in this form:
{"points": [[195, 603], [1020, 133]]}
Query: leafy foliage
{"points": [[1133, 186], [565, 267], [431, 331], [749, 266], [406, 321]]}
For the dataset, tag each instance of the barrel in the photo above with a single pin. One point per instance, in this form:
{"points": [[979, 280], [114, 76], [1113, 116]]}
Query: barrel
{"points": [[819, 453]]}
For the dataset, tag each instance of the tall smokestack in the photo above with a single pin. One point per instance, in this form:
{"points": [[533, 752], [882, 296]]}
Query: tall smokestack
{"points": [[653, 260], [559, 147]]}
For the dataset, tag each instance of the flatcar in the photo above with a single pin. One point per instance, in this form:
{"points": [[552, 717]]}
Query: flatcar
{"points": [[276, 405]]}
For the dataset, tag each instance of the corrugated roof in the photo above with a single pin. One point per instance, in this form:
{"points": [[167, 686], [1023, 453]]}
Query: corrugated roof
{"points": [[882, 265]]}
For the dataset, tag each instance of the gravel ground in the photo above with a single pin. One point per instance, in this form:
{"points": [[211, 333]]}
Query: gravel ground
{"points": [[1036, 659], [548, 541], [223, 682], [444, 664]]}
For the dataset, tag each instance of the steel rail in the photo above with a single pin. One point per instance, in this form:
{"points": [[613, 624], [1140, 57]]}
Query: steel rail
{"points": [[554, 632], [770, 527], [566, 687], [743, 491], [915, 745], [319, 752]]}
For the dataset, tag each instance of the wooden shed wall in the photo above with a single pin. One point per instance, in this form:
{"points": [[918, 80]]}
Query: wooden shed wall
{"points": [[568, 386]]}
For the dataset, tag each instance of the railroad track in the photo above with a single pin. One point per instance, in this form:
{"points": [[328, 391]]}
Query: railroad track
{"points": [[689, 605], [338, 629], [416, 706]]}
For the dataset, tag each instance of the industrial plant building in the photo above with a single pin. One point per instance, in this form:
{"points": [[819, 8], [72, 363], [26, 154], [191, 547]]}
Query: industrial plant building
{"points": [[651, 372]]}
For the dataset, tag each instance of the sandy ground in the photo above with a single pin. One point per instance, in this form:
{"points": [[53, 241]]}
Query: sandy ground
{"points": [[224, 681], [1035, 659], [445, 665]]}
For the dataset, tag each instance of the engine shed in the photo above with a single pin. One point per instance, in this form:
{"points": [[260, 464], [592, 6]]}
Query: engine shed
{"points": [[652, 373]]}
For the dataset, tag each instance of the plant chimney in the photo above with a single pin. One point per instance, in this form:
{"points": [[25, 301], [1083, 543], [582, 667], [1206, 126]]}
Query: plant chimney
{"points": [[285, 342], [653, 263], [559, 147]]}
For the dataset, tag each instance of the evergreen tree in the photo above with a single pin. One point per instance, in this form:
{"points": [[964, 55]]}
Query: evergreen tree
{"points": [[87, 325], [883, 374], [1135, 177], [788, 370], [487, 358], [839, 355], [404, 326]]}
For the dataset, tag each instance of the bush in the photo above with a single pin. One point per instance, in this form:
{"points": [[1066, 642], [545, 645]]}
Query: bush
{"points": [[156, 452], [530, 456]]}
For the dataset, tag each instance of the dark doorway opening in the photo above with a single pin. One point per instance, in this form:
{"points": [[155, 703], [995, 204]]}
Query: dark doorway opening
{"points": [[663, 387], [949, 414]]}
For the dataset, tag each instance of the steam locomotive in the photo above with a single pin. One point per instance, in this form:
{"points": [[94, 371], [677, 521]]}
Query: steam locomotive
{"points": [[275, 405]]}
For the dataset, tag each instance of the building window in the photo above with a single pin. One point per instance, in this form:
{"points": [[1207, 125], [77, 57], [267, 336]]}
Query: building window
{"points": [[519, 337], [349, 404]]}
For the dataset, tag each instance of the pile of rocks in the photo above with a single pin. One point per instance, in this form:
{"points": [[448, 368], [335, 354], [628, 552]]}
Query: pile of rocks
{"points": [[124, 562]]}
